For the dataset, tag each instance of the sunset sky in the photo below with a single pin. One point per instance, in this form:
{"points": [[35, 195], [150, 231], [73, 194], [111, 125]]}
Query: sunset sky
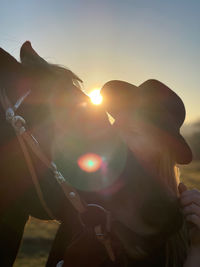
{"points": [[113, 39]]}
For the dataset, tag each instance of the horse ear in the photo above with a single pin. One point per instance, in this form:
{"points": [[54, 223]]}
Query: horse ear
{"points": [[29, 56]]}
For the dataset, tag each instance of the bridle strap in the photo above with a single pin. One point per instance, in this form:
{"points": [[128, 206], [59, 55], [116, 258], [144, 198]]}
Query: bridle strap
{"points": [[105, 240], [34, 176], [25, 139], [17, 123]]}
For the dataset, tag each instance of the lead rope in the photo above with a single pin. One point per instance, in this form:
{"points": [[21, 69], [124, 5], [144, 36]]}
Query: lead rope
{"points": [[18, 123]]}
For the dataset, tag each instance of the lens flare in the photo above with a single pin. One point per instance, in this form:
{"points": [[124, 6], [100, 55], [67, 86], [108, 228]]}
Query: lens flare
{"points": [[90, 162], [96, 97]]}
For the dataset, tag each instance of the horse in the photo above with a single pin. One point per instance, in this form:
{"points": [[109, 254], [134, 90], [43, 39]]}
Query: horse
{"points": [[70, 131]]}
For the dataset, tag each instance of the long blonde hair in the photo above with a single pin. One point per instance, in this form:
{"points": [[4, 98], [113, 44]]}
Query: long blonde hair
{"points": [[177, 245]]}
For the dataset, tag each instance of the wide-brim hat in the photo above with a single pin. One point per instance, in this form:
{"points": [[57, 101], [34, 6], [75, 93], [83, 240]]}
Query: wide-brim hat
{"points": [[154, 103]]}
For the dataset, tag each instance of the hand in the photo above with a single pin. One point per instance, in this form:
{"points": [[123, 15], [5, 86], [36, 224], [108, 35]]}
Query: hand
{"points": [[190, 202]]}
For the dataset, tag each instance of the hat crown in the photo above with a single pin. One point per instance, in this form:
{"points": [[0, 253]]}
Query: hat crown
{"points": [[166, 104]]}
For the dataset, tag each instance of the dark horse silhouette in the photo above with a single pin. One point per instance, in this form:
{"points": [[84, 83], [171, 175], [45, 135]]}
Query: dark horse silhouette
{"points": [[68, 128]]}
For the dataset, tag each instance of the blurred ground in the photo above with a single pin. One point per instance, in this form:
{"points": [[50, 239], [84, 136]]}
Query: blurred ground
{"points": [[39, 235], [36, 244]]}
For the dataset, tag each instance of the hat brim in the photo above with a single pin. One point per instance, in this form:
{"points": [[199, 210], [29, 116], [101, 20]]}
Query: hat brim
{"points": [[175, 142], [182, 151], [122, 97]]}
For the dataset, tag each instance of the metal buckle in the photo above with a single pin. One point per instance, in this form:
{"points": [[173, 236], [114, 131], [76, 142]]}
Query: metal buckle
{"points": [[103, 217]]}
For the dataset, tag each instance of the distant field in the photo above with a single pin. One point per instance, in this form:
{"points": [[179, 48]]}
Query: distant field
{"points": [[39, 235], [190, 174]]}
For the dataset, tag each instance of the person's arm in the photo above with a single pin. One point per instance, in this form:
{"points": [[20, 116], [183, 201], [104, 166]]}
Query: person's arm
{"points": [[190, 201]]}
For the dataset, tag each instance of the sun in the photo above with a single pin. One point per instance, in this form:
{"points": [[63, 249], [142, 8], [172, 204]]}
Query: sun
{"points": [[96, 97]]}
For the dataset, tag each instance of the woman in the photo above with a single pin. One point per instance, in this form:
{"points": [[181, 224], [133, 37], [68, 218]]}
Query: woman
{"points": [[149, 119], [144, 202]]}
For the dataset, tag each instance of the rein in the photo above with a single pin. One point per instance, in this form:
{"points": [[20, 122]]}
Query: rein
{"points": [[28, 141]]}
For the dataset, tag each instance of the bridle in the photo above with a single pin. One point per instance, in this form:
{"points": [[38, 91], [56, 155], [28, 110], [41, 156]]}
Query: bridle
{"points": [[28, 142]]}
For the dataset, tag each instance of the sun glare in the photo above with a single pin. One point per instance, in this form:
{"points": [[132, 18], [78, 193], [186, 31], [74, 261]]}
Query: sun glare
{"points": [[90, 162], [96, 97]]}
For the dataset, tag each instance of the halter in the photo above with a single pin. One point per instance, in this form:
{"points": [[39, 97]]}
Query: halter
{"points": [[27, 140]]}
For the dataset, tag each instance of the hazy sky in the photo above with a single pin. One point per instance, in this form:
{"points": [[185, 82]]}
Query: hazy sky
{"points": [[113, 39]]}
